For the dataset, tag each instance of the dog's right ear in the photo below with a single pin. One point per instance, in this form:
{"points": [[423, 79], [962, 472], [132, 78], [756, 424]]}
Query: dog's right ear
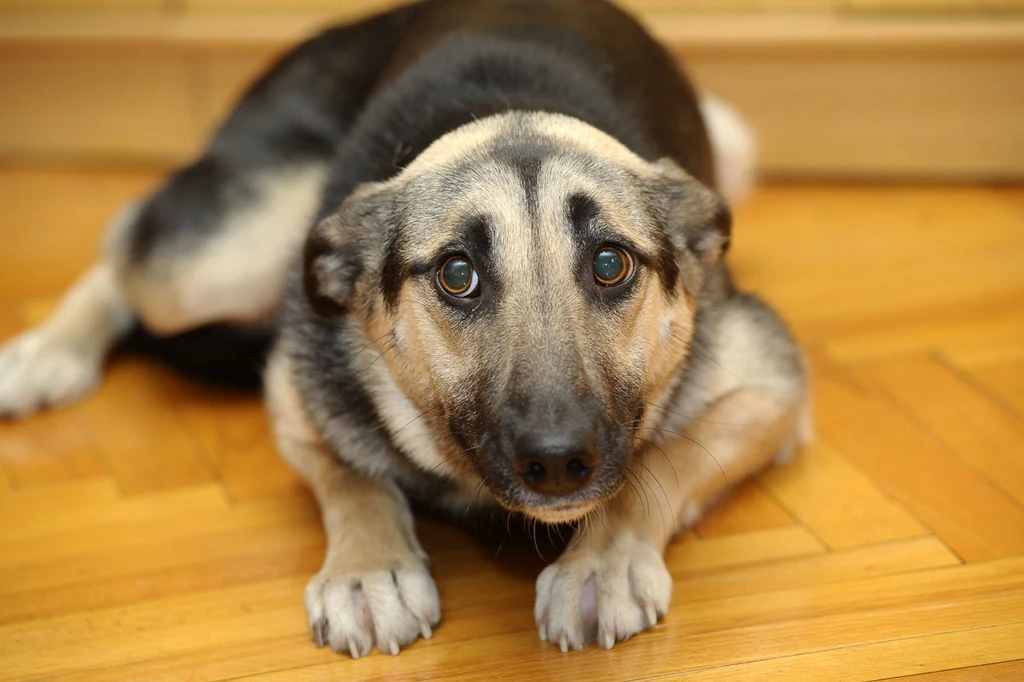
{"points": [[341, 247]]}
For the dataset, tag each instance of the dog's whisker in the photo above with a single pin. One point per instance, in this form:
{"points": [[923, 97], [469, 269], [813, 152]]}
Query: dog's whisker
{"points": [[699, 345], [695, 442], [472, 502], [664, 493], [668, 459], [636, 486], [415, 419], [690, 417]]}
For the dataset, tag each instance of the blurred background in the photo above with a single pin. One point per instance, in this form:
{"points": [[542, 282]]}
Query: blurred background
{"points": [[910, 89]]}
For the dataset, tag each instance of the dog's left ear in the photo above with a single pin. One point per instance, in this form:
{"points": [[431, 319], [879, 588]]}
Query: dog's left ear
{"points": [[342, 247], [694, 217]]}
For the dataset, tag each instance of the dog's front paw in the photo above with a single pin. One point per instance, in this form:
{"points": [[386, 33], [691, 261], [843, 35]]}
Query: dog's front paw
{"points": [[353, 611], [604, 595], [40, 369]]}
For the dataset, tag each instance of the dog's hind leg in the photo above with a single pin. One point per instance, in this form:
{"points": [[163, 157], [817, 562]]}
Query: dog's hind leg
{"points": [[213, 245]]}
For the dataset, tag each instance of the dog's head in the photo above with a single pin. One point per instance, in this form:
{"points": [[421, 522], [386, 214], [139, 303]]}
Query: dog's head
{"points": [[531, 285]]}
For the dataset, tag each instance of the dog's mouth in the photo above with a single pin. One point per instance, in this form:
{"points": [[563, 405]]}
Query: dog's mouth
{"points": [[554, 510], [562, 513]]}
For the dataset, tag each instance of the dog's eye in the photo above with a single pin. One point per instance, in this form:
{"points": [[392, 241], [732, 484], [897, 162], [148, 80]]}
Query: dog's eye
{"points": [[612, 266], [457, 277]]}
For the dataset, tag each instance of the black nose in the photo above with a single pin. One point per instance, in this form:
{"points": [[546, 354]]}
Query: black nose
{"points": [[555, 466]]}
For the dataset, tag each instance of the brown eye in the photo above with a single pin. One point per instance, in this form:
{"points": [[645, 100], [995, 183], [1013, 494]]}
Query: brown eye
{"points": [[612, 266], [458, 278]]}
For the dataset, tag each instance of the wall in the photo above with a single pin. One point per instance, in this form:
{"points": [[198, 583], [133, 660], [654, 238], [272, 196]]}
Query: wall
{"points": [[855, 88]]}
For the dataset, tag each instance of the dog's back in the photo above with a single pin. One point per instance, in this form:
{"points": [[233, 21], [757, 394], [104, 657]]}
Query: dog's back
{"points": [[463, 60]]}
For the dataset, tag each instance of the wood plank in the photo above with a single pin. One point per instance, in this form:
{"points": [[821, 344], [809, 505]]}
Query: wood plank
{"points": [[234, 435], [837, 501], [969, 336], [1010, 670], [839, 566], [957, 503], [889, 288], [747, 509], [169, 516], [1006, 379], [54, 446], [152, 450], [204, 499], [125, 564], [980, 431], [742, 548], [980, 645], [47, 499], [6, 481], [269, 556]]}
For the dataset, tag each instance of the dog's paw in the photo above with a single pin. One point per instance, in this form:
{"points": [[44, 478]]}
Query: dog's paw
{"points": [[41, 369], [605, 595], [353, 611]]}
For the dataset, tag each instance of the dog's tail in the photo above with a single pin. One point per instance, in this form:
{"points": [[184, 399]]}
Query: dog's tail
{"points": [[734, 146], [227, 355]]}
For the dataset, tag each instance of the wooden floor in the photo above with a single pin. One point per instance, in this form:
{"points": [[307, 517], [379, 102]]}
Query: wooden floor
{"points": [[151, 533]]}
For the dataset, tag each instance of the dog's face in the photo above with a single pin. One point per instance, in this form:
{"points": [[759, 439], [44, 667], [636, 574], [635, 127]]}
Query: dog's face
{"points": [[531, 285]]}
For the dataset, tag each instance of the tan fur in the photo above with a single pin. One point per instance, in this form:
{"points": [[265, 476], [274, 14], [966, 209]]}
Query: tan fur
{"points": [[374, 563]]}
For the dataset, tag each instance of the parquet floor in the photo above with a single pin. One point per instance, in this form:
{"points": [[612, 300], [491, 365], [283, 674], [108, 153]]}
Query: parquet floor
{"points": [[151, 533]]}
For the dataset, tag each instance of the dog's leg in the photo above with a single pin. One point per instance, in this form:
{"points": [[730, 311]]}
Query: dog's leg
{"points": [[612, 581], [374, 586]]}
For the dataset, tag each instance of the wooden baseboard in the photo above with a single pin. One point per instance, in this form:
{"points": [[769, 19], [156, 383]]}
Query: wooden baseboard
{"points": [[829, 96]]}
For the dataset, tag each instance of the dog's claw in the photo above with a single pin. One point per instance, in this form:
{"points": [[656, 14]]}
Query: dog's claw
{"points": [[608, 641], [542, 630], [651, 614], [319, 633], [564, 645], [383, 611]]}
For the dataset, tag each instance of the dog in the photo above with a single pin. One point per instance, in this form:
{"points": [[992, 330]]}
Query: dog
{"points": [[484, 240]]}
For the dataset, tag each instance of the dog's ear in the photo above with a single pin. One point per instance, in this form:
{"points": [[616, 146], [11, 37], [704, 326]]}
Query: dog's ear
{"points": [[342, 246], [693, 216]]}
